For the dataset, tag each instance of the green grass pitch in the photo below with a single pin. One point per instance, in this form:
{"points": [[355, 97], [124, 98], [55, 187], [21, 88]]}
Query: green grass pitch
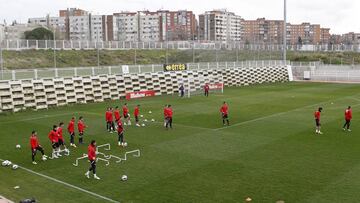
{"points": [[269, 153]]}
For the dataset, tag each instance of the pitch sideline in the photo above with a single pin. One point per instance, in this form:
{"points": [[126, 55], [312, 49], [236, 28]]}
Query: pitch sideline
{"points": [[67, 184]]}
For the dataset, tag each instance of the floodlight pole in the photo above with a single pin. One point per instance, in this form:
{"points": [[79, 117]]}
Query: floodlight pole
{"points": [[54, 48], [285, 34]]}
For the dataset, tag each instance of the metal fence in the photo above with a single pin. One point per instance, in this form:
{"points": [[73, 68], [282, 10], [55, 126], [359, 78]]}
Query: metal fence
{"points": [[126, 45], [326, 73], [111, 70]]}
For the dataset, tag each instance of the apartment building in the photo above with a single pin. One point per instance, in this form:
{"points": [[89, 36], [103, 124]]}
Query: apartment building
{"points": [[16, 31], [220, 25], [136, 26], [262, 30], [325, 36], [57, 24], [304, 33], [178, 25], [350, 38]]}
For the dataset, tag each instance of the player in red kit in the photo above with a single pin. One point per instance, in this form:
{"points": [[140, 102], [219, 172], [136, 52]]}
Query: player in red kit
{"points": [[35, 146], [54, 139], [92, 159], [120, 130], [81, 128], [165, 114], [117, 114], [317, 116], [109, 120], [126, 115], [224, 110], [71, 130], [348, 117], [169, 117], [61, 141], [206, 90], [136, 115]]}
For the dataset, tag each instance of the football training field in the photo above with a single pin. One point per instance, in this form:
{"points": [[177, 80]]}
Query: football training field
{"points": [[269, 152]]}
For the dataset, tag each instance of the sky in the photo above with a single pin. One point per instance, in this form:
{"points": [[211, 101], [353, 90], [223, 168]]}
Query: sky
{"points": [[341, 16]]}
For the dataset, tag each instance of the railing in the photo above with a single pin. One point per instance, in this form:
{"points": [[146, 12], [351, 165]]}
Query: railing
{"points": [[113, 70], [126, 45]]}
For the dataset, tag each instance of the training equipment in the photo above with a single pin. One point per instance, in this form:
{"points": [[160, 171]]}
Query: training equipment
{"points": [[150, 112], [14, 167], [145, 120], [84, 156], [141, 116], [194, 85], [124, 177], [18, 146], [248, 199], [125, 144], [143, 125], [152, 120]]}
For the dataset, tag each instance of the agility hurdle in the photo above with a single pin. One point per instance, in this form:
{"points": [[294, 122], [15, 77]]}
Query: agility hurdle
{"points": [[132, 152], [77, 160], [106, 146]]}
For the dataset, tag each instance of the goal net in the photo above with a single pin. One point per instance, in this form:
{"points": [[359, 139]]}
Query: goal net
{"points": [[195, 85]]}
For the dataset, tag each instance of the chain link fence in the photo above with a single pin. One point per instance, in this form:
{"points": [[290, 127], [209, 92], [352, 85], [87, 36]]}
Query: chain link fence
{"points": [[126, 45]]}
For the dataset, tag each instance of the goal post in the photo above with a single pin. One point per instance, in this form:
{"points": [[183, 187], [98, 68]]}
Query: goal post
{"points": [[195, 85]]}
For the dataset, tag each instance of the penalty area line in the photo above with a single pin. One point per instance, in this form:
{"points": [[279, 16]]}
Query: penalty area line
{"points": [[67, 184]]}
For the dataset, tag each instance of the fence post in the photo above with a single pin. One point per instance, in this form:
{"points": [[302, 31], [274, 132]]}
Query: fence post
{"points": [[35, 73], [37, 44], [152, 68], [75, 72], [56, 73], [13, 75], [198, 65], [226, 64], [27, 44], [208, 65], [92, 71], [217, 65], [263, 63], [110, 70], [139, 67]]}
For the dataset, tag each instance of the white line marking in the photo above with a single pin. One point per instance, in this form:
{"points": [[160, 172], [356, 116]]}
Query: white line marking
{"points": [[68, 184], [38, 118]]}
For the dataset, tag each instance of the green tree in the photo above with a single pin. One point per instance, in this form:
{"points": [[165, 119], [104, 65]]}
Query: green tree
{"points": [[39, 34]]}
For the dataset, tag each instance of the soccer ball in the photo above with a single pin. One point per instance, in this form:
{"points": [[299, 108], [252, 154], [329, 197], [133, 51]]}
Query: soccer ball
{"points": [[152, 120], [143, 125], [18, 146], [141, 116], [9, 163], [125, 144], [150, 112], [14, 167], [248, 199], [124, 177], [145, 120], [44, 158], [4, 163]]}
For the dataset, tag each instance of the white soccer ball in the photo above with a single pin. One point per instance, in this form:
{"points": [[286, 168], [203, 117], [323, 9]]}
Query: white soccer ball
{"points": [[143, 125], [125, 144], [152, 120], [18, 146], [145, 120], [44, 158], [8, 163], [14, 167], [4, 163], [150, 112], [141, 116], [124, 177]]}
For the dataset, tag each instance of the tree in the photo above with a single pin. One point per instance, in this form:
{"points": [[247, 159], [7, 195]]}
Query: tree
{"points": [[39, 34]]}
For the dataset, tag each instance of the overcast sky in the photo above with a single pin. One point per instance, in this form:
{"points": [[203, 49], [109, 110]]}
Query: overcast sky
{"points": [[339, 15]]}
